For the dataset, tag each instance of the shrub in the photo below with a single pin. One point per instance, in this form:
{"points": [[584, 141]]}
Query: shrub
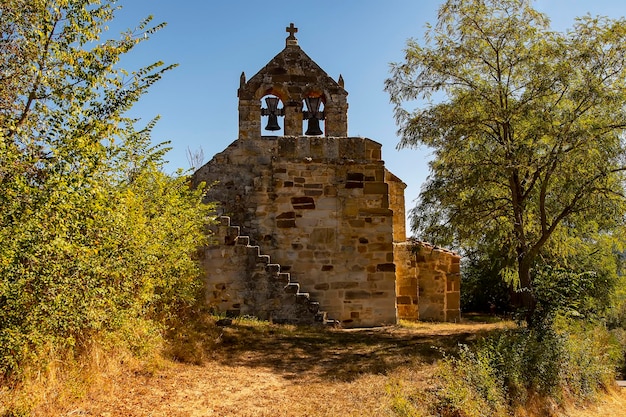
{"points": [[77, 272], [469, 384], [96, 241], [400, 404], [514, 368], [592, 357], [484, 290]]}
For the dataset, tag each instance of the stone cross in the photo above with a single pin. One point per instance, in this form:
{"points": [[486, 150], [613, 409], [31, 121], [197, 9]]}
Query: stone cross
{"points": [[292, 31]]}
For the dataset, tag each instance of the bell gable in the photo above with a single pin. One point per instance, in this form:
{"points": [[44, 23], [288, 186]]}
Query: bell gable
{"points": [[308, 98]]}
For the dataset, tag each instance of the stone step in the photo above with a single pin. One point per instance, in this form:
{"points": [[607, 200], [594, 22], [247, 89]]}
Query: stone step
{"points": [[230, 235], [314, 306], [333, 323], [254, 250], [243, 241], [284, 277], [263, 259], [292, 288], [303, 298], [321, 317], [273, 269]]}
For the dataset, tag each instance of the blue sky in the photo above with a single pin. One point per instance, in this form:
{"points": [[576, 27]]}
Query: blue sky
{"points": [[214, 41]]}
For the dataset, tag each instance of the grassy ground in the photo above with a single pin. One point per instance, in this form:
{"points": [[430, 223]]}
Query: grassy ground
{"points": [[258, 369]]}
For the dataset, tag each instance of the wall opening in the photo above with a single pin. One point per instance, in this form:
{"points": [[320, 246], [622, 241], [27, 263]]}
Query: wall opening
{"points": [[313, 116], [272, 112]]}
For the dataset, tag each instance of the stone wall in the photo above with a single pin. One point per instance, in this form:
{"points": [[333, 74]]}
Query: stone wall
{"points": [[428, 282], [320, 207], [325, 208], [407, 288], [439, 277], [292, 76], [240, 280], [396, 203]]}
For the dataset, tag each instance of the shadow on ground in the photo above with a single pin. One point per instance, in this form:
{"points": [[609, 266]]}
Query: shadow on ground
{"points": [[335, 354]]}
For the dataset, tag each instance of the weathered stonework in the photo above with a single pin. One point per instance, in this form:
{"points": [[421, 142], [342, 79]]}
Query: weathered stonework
{"points": [[326, 210], [243, 281], [428, 282]]}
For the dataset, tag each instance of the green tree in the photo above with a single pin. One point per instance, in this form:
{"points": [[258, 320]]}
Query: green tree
{"points": [[527, 130], [96, 242]]}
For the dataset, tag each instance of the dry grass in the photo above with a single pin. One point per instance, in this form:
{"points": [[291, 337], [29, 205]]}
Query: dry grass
{"points": [[613, 404], [46, 390], [258, 369]]}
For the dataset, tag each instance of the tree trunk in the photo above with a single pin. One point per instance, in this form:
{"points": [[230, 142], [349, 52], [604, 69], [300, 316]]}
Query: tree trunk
{"points": [[527, 300]]}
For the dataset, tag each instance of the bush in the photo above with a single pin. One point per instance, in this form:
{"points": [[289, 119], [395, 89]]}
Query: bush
{"points": [[96, 241], [592, 358], [516, 368], [469, 386], [484, 290], [78, 267]]}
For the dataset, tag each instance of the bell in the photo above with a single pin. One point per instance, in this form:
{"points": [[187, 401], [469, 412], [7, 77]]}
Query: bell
{"points": [[313, 116], [272, 122], [313, 127], [272, 113]]}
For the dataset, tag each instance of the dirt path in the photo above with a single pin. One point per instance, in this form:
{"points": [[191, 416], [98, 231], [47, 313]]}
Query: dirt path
{"points": [[259, 372]]}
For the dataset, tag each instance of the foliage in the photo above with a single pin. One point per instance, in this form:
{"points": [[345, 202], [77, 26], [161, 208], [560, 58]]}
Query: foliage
{"points": [[527, 130], [402, 405], [96, 242], [512, 369], [469, 384], [616, 319], [593, 357], [484, 291], [581, 295], [591, 290]]}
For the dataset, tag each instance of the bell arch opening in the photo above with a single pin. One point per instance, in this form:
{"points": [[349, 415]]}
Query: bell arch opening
{"points": [[272, 112], [313, 116]]}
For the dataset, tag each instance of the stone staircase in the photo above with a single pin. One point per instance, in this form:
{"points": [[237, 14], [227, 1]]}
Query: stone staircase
{"points": [[243, 281]]}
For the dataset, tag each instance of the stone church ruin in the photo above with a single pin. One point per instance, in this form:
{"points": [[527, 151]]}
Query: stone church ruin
{"points": [[313, 224]]}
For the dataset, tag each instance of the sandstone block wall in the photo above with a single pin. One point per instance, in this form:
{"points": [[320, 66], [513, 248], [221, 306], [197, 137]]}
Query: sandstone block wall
{"points": [[428, 282], [240, 280], [292, 76], [320, 206], [407, 288], [325, 208], [396, 203]]}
